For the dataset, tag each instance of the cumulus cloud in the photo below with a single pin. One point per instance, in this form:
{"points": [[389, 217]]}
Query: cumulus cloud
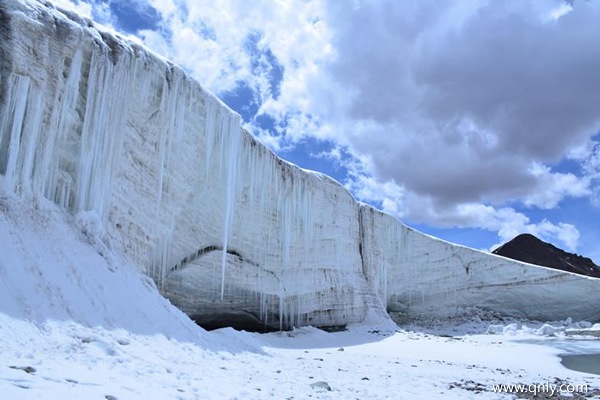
{"points": [[81, 8], [459, 101], [550, 188], [588, 155], [505, 221], [230, 42]]}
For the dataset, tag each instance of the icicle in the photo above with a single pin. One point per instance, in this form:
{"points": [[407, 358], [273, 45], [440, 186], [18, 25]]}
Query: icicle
{"points": [[100, 134], [281, 303], [10, 141], [209, 133], [166, 106], [230, 154]]}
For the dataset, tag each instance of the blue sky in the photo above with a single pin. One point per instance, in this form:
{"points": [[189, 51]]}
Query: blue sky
{"points": [[471, 121]]}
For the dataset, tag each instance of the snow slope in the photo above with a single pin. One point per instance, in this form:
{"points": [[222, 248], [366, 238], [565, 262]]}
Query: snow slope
{"points": [[51, 272], [66, 298], [105, 129]]}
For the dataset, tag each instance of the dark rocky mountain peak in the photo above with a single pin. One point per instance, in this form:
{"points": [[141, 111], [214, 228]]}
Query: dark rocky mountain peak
{"points": [[530, 249]]}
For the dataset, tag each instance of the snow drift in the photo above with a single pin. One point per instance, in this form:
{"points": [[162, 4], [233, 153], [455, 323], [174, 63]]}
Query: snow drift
{"points": [[101, 126], [56, 267]]}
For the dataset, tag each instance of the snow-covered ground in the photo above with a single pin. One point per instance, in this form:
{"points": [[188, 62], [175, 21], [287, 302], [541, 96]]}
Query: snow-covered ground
{"points": [[76, 322]]}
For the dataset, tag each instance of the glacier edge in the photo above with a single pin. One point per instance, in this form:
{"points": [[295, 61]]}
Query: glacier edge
{"points": [[99, 124]]}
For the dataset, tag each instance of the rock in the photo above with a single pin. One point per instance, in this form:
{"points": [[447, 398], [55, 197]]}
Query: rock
{"points": [[321, 386], [530, 249], [28, 369]]}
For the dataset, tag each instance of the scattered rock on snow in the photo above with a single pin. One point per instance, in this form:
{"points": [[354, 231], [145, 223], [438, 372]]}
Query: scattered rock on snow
{"points": [[29, 370], [321, 386]]}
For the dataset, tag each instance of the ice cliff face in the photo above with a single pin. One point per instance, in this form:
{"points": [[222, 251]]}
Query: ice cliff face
{"points": [[420, 275], [226, 229]]}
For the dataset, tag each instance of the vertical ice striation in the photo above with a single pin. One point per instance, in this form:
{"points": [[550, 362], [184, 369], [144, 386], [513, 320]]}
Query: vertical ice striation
{"points": [[65, 151], [227, 141], [229, 231], [104, 94], [11, 128]]}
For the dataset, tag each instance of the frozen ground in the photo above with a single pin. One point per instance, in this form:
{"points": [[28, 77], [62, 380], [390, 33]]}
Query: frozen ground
{"points": [[78, 323], [61, 360]]}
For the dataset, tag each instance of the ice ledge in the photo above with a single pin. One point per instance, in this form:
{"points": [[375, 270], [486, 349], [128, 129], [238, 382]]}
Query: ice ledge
{"points": [[96, 123]]}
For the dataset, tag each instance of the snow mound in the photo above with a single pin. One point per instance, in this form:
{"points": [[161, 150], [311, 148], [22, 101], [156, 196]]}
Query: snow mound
{"points": [[54, 270]]}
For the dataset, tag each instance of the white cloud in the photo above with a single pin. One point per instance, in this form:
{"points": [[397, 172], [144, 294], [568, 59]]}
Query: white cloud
{"points": [[461, 98], [81, 8], [588, 156], [506, 221], [560, 11], [389, 194], [551, 188], [156, 42], [591, 167], [266, 137], [591, 162], [210, 39]]}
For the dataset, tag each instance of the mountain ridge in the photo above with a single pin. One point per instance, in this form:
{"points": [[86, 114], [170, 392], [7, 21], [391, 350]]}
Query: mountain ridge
{"points": [[530, 249]]}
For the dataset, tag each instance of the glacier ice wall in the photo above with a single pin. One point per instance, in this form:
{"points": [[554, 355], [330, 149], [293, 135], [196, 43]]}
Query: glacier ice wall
{"points": [[96, 123], [99, 124], [421, 275]]}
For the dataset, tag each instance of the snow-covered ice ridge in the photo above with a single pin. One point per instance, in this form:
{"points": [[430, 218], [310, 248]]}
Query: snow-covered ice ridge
{"points": [[98, 124]]}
